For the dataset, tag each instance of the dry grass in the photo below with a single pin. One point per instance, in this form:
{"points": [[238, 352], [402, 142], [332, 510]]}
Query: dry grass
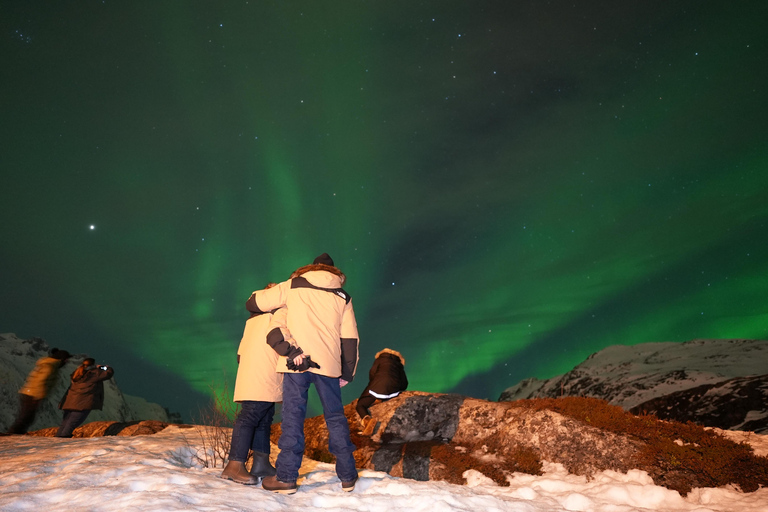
{"points": [[676, 455], [213, 427]]}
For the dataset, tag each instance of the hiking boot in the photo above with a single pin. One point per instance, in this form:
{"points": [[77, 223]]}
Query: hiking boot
{"points": [[369, 426], [271, 483], [236, 472], [261, 466], [364, 422], [349, 486]]}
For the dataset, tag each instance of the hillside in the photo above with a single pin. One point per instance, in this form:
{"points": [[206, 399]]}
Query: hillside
{"points": [[17, 358], [701, 378]]}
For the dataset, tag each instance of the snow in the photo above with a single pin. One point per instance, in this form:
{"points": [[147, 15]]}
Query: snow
{"points": [[159, 473]]}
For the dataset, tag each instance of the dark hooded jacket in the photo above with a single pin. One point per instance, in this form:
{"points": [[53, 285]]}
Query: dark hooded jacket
{"points": [[87, 392], [387, 375]]}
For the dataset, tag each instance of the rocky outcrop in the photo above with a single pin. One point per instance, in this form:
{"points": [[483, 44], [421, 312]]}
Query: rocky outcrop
{"points": [[427, 436], [438, 437], [108, 428]]}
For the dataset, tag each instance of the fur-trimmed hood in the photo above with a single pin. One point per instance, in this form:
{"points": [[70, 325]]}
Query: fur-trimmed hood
{"points": [[393, 352], [320, 266]]}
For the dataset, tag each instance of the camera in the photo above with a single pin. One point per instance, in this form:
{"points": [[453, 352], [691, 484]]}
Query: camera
{"points": [[103, 367]]}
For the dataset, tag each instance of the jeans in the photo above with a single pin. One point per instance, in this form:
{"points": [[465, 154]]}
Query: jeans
{"points": [[72, 420], [251, 431], [295, 390]]}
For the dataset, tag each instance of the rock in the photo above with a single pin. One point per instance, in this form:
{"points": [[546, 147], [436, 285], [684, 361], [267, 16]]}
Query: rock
{"points": [[438, 437], [427, 436], [109, 428]]}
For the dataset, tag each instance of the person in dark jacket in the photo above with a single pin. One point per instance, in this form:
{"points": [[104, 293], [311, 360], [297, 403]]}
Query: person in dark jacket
{"points": [[85, 393], [386, 380], [37, 386]]}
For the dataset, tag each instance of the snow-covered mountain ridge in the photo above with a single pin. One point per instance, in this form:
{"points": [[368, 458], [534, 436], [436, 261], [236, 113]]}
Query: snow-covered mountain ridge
{"points": [[630, 376], [18, 357]]}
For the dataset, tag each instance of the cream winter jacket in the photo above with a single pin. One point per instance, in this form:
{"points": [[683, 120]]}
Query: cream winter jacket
{"points": [[41, 378], [320, 318], [257, 379]]}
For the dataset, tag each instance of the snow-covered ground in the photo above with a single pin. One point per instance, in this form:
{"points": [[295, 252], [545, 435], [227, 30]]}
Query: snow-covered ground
{"points": [[158, 473]]}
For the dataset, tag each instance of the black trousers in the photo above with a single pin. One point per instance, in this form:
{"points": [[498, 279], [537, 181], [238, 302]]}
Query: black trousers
{"points": [[27, 411]]}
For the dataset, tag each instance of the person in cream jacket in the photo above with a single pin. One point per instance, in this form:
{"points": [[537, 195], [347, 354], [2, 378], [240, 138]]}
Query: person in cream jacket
{"points": [[321, 322]]}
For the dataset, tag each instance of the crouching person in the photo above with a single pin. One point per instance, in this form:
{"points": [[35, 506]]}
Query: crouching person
{"points": [[386, 380]]}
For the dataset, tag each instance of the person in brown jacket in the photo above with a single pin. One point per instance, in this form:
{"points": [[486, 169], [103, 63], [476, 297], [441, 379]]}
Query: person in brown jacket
{"points": [[37, 386], [85, 393]]}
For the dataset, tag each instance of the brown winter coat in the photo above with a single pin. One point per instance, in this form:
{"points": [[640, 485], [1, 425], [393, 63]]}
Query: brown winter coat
{"points": [[87, 392]]}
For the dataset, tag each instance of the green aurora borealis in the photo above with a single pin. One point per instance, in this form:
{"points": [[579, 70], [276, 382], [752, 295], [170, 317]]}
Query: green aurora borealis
{"points": [[508, 186]]}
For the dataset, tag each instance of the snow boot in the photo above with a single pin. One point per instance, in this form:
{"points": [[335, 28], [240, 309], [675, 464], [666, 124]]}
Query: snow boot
{"points": [[236, 472], [261, 466], [349, 486], [271, 483]]}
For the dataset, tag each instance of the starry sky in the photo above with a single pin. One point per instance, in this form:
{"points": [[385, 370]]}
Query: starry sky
{"points": [[508, 185]]}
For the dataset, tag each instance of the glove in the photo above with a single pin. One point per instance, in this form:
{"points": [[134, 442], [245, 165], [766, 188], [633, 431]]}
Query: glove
{"points": [[305, 365]]}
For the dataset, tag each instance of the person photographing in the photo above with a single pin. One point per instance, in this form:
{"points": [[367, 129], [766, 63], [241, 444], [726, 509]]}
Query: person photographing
{"points": [[85, 393]]}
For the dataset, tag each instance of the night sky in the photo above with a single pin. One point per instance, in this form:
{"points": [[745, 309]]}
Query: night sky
{"points": [[508, 185]]}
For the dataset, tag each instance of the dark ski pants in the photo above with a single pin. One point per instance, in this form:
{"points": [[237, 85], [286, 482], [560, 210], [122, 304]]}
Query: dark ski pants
{"points": [[72, 420], [27, 410], [364, 403]]}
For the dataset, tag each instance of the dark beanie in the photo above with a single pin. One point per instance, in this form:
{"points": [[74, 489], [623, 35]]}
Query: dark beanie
{"points": [[60, 354], [324, 259]]}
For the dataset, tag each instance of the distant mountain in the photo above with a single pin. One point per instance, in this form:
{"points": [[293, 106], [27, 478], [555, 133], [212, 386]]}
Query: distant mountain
{"points": [[18, 357], [734, 404], [718, 383]]}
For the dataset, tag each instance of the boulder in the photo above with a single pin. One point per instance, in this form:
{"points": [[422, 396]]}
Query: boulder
{"points": [[426, 436], [108, 428]]}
